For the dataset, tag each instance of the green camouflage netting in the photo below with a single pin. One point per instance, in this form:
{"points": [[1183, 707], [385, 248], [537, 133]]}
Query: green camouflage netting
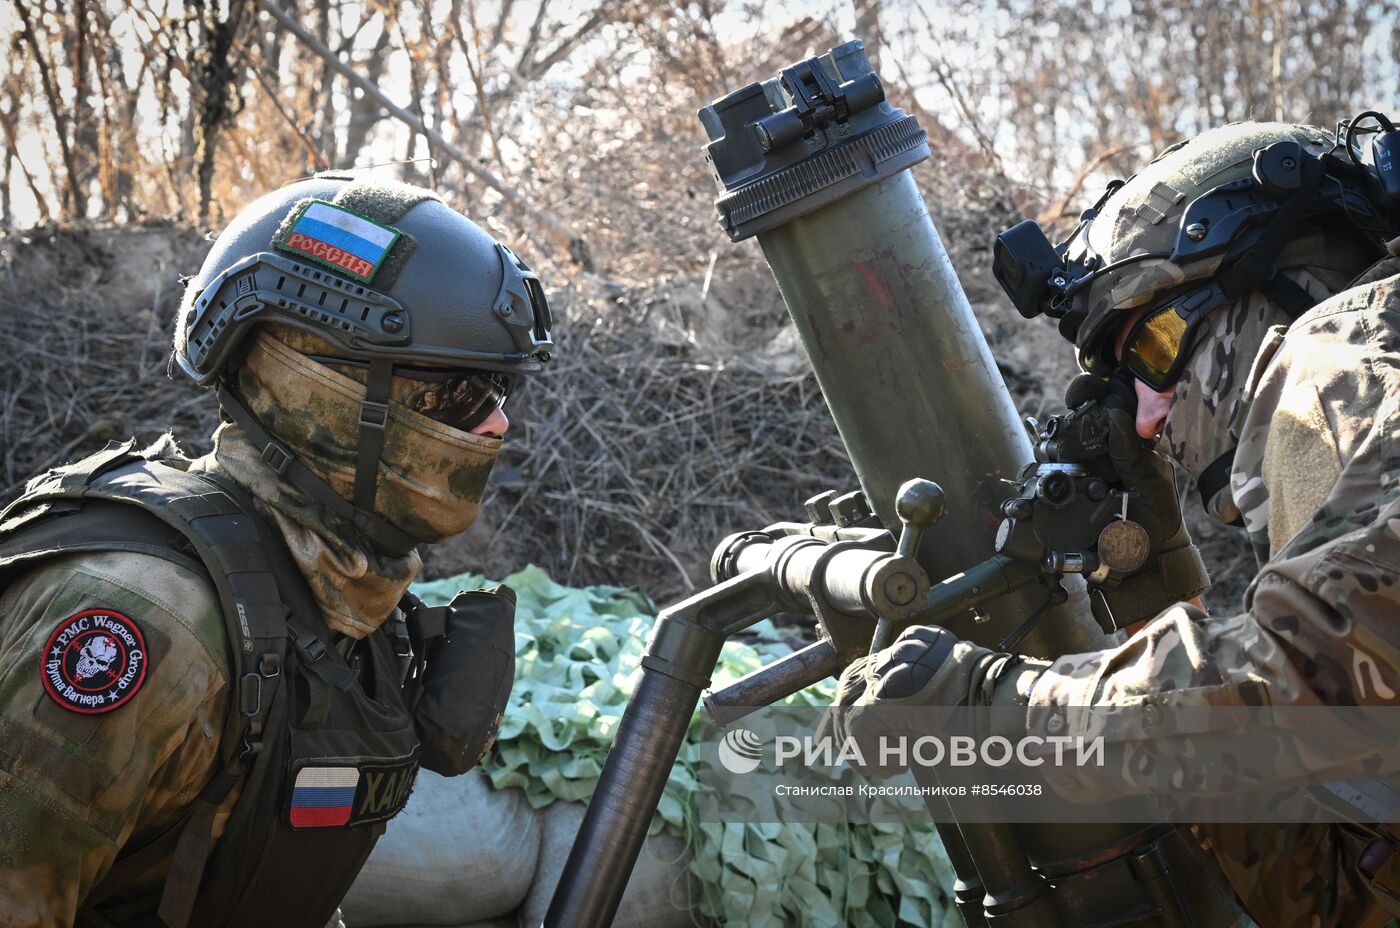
{"points": [[578, 651]]}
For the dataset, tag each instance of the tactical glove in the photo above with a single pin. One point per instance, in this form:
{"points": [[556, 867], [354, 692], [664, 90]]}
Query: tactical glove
{"points": [[1174, 570], [926, 667]]}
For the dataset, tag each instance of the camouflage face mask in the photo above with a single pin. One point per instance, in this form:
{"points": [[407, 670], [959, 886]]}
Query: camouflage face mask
{"points": [[431, 475], [1203, 424]]}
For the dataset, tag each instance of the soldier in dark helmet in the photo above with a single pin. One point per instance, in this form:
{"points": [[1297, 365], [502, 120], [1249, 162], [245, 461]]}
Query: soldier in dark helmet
{"points": [[215, 688], [1244, 289]]}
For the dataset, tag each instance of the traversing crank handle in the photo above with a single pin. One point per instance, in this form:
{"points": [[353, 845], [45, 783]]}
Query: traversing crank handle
{"points": [[989, 580]]}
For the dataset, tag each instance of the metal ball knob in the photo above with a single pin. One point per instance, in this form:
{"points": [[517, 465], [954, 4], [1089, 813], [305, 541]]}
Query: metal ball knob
{"points": [[920, 502]]}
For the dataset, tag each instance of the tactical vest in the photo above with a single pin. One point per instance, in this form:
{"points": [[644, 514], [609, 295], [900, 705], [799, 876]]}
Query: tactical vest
{"points": [[323, 748]]}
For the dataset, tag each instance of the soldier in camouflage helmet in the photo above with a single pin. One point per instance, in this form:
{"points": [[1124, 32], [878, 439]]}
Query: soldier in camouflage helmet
{"points": [[200, 660], [1268, 368]]}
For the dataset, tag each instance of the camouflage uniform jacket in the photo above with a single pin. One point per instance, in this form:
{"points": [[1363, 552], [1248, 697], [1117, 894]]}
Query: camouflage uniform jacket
{"points": [[76, 788], [1317, 477]]}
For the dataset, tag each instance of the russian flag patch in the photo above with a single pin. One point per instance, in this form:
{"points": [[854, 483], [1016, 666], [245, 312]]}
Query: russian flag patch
{"points": [[322, 797], [334, 236]]}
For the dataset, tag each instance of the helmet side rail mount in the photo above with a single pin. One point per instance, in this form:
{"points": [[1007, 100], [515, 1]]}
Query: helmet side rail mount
{"points": [[1247, 221], [268, 287], [522, 306]]}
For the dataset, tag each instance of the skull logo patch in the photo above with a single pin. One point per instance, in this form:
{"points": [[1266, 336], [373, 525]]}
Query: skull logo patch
{"points": [[94, 661]]}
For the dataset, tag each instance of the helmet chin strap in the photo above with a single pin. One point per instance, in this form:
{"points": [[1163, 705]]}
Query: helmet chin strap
{"points": [[381, 533], [374, 412], [1216, 478]]}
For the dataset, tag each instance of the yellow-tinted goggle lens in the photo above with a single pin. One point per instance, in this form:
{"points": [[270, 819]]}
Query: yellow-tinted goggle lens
{"points": [[1155, 345]]}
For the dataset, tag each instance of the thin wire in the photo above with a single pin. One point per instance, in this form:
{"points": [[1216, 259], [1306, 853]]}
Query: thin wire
{"points": [[432, 163], [1383, 122], [1082, 282]]}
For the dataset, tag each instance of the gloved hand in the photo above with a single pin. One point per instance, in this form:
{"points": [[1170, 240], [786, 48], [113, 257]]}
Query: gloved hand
{"points": [[928, 667], [1174, 570], [1151, 481]]}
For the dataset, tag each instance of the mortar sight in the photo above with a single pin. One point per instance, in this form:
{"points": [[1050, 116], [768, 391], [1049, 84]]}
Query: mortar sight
{"points": [[819, 132]]}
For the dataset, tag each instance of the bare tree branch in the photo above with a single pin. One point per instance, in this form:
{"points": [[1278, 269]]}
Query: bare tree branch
{"points": [[565, 237], [1062, 208], [473, 54], [75, 194], [7, 124], [314, 153]]}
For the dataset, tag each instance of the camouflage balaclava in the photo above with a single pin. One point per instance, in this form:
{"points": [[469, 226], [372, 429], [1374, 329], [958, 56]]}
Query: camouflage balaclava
{"points": [[431, 476], [1204, 422]]}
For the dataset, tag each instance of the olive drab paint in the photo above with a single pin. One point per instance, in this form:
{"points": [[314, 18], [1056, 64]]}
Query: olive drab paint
{"points": [[915, 393]]}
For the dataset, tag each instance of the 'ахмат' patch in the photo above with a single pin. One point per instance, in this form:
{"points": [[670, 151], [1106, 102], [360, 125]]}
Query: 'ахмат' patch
{"points": [[94, 661]]}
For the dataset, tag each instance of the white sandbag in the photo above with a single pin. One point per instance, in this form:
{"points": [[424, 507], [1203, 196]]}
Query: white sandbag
{"points": [[661, 890], [458, 853]]}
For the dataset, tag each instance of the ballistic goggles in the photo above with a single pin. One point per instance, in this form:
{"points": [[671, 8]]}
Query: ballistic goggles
{"points": [[464, 402], [1161, 341], [459, 399]]}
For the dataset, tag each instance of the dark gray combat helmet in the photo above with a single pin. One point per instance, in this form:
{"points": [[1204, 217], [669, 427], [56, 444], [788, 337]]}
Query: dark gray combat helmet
{"points": [[379, 270], [393, 278]]}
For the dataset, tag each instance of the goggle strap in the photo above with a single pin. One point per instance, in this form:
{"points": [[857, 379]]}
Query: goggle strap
{"points": [[1291, 297]]}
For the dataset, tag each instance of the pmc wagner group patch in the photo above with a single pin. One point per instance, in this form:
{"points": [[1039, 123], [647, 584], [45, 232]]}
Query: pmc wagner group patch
{"points": [[94, 661]]}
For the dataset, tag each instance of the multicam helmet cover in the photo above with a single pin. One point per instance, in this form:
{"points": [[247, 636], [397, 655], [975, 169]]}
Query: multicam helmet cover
{"points": [[1143, 217], [1195, 258]]}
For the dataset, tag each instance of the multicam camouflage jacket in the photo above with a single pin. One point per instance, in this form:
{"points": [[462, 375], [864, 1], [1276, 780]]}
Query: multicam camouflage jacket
{"points": [[76, 787], [114, 670], [1317, 479]]}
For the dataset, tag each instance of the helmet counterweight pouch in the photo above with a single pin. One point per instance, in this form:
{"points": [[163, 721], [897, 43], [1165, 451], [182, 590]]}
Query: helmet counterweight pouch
{"points": [[464, 676]]}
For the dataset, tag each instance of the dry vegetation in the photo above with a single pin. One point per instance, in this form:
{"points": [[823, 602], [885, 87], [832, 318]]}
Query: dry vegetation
{"points": [[680, 408]]}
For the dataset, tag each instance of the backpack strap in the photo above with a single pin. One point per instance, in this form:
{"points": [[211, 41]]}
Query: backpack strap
{"points": [[231, 539], [50, 529]]}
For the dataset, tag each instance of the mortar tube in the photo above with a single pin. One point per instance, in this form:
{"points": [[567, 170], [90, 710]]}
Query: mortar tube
{"points": [[914, 391], [909, 379], [896, 350]]}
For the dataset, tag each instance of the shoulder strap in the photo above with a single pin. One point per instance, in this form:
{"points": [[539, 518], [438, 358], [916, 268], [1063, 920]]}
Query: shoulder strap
{"points": [[226, 537], [200, 514], [58, 527]]}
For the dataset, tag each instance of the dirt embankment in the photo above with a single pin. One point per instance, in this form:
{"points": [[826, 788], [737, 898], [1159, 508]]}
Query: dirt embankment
{"points": [[675, 414]]}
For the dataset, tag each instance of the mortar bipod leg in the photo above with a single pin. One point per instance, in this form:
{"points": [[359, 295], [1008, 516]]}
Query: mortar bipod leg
{"points": [[684, 648]]}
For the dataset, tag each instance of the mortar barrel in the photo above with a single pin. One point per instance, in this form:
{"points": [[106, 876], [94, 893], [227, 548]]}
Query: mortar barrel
{"points": [[897, 351], [817, 168]]}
